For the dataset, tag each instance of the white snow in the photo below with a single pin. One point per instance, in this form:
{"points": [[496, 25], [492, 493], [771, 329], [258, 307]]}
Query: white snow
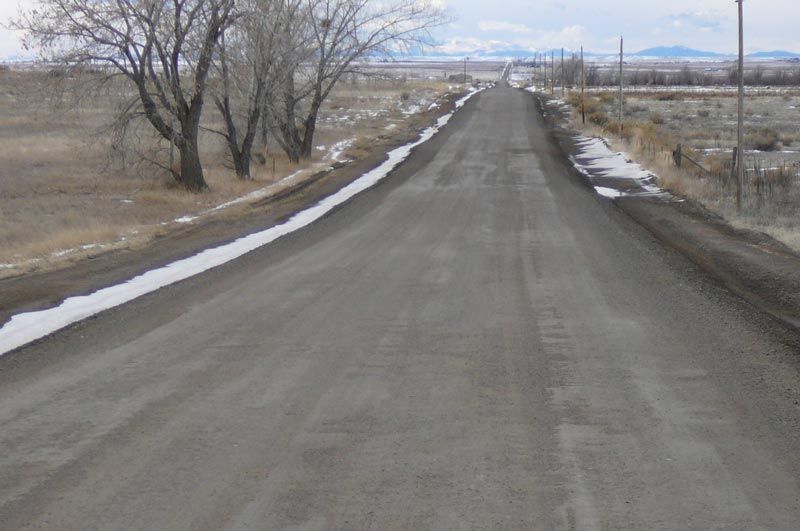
{"points": [[608, 192], [598, 161], [338, 148], [27, 327]]}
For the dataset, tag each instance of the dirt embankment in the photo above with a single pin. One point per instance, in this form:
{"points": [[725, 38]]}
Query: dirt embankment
{"points": [[755, 266], [44, 289]]}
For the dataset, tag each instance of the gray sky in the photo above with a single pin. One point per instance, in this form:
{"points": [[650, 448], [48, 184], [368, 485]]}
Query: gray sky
{"points": [[480, 24]]}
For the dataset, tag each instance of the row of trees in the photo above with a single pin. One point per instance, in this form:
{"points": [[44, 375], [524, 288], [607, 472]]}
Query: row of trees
{"points": [[688, 76], [601, 76], [267, 65]]}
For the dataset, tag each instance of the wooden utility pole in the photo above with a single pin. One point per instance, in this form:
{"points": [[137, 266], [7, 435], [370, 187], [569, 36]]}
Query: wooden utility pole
{"points": [[543, 67], [740, 129], [583, 89], [552, 72], [562, 74], [621, 82]]}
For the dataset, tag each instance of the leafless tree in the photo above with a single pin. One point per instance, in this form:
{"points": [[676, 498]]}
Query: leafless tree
{"points": [[322, 41], [164, 48], [245, 70]]}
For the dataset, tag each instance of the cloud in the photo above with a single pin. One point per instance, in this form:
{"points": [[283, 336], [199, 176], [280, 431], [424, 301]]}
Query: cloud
{"points": [[467, 45], [571, 37], [705, 20], [503, 26]]}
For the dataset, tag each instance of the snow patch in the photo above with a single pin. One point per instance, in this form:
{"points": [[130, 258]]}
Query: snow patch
{"points": [[27, 327], [611, 173], [608, 192]]}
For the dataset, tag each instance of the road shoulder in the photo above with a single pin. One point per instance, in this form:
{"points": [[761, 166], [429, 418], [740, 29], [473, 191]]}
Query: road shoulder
{"points": [[753, 265], [40, 290]]}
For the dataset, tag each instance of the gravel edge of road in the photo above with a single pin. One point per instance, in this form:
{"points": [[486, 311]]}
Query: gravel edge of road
{"points": [[752, 265]]}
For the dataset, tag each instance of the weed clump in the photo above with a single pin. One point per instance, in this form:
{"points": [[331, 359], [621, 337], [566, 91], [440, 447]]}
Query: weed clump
{"points": [[764, 139]]}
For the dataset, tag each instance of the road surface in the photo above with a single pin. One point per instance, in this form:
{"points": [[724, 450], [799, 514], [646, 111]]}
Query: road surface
{"points": [[478, 343]]}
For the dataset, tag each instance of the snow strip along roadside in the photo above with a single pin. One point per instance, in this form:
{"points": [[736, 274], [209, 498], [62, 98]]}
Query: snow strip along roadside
{"points": [[613, 174], [27, 327]]}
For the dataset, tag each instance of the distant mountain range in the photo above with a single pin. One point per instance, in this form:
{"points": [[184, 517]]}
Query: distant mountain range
{"points": [[684, 52], [508, 51], [776, 54], [676, 51], [504, 50]]}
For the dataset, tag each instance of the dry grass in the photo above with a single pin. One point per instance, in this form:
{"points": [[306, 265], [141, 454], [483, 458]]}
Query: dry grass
{"points": [[58, 191], [772, 194]]}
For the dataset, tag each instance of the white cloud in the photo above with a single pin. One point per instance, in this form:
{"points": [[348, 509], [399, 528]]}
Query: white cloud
{"points": [[571, 37], [503, 26], [467, 45]]}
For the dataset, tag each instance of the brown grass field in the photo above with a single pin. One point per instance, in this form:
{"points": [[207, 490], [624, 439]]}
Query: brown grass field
{"points": [[704, 122], [65, 194]]}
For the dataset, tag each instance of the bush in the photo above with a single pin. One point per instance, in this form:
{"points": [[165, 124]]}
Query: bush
{"points": [[703, 113], [657, 118], [608, 97], [764, 139], [405, 96], [669, 96], [599, 118]]}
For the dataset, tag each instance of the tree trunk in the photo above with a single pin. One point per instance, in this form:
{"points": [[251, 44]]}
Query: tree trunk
{"points": [[308, 135], [291, 142], [191, 168], [241, 163]]}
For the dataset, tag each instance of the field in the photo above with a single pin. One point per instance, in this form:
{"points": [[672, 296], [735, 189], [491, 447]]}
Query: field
{"points": [[65, 193], [703, 120]]}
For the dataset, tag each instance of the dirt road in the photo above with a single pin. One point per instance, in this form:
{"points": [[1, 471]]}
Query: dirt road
{"points": [[478, 343]]}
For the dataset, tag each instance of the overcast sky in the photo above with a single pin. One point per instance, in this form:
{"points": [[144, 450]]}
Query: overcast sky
{"points": [[479, 24]]}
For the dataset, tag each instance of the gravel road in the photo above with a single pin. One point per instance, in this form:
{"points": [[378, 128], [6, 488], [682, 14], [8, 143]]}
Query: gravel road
{"points": [[478, 343]]}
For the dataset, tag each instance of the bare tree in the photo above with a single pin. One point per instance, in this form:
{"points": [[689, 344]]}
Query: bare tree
{"points": [[322, 41], [245, 69], [164, 48]]}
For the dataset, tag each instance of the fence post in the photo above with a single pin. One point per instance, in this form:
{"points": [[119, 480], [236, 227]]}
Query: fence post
{"points": [[735, 159]]}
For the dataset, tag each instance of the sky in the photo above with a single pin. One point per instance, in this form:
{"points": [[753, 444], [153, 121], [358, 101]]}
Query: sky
{"points": [[597, 25]]}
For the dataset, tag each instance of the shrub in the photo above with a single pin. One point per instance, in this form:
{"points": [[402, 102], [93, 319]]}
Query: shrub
{"points": [[704, 113], [405, 96], [599, 118], [657, 118], [608, 97], [669, 96], [764, 139]]}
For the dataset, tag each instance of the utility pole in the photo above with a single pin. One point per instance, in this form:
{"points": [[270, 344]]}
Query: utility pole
{"points": [[740, 129], [621, 82], [465, 69], [562, 74], [552, 72], [583, 89], [543, 70]]}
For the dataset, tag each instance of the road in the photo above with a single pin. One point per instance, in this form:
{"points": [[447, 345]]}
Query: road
{"points": [[480, 342]]}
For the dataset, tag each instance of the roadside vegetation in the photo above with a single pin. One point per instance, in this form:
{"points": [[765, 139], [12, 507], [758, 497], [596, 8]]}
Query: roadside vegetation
{"points": [[141, 115], [68, 189], [703, 121]]}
